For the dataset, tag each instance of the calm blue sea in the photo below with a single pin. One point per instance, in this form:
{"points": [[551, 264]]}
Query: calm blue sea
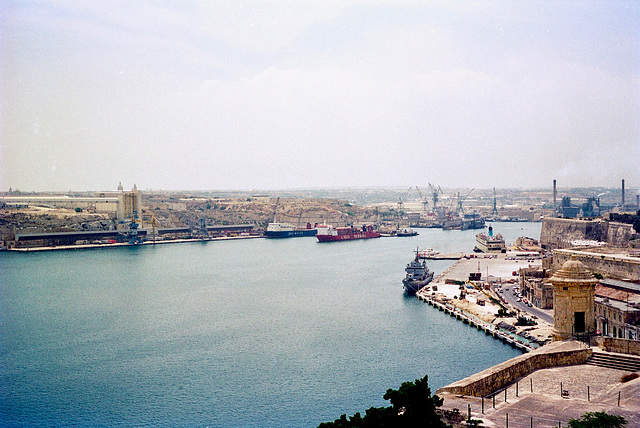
{"points": [[246, 333]]}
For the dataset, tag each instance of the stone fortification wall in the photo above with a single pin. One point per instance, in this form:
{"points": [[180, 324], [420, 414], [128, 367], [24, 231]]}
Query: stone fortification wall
{"points": [[560, 232], [609, 265], [619, 233], [620, 346], [497, 377]]}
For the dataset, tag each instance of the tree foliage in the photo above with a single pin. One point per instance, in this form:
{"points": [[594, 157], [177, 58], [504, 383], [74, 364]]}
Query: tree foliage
{"points": [[412, 405], [598, 420]]}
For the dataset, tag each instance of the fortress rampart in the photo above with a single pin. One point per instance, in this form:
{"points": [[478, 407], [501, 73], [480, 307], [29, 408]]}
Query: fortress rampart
{"points": [[497, 377], [561, 232]]}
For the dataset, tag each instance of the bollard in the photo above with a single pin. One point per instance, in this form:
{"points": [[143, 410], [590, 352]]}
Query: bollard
{"points": [[507, 415], [469, 411], [560, 389], [483, 405], [505, 395], [588, 394], [531, 383], [618, 398], [516, 389], [531, 422], [494, 401]]}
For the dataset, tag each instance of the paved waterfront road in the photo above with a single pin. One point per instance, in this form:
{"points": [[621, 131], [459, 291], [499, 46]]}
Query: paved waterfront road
{"points": [[545, 315]]}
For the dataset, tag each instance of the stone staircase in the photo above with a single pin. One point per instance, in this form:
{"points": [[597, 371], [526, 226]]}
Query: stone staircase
{"points": [[630, 363]]}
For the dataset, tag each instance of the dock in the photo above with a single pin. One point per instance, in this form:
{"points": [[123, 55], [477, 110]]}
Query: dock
{"points": [[442, 256], [435, 255], [472, 320]]}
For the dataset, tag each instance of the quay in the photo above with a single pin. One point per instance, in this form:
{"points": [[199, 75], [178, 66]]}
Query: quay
{"points": [[127, 244], [476, 304], [473, 321], [441, 256]]}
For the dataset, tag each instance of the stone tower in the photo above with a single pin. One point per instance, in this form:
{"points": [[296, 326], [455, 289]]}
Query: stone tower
{"points": [[573, 300]]}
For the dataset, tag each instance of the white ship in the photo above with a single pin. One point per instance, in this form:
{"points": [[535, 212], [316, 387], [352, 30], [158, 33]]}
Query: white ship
{"points": [[490, 243]]}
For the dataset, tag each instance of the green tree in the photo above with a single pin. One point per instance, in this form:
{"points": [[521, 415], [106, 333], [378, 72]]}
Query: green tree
{"points": [[412, 405], [598, 420]]}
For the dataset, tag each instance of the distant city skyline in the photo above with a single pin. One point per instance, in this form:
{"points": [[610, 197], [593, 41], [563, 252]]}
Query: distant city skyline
{"points": [[287, 95]]}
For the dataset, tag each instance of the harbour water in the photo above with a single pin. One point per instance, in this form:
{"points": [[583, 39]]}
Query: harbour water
{"points": [[246, 333]]}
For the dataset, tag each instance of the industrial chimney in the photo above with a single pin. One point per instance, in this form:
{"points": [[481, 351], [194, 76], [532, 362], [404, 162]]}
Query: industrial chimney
{"points": [[555, 193], [623, 193]]}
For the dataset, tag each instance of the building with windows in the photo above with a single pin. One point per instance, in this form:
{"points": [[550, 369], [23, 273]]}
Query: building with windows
{"points": [[617, 309], [535, 286]]}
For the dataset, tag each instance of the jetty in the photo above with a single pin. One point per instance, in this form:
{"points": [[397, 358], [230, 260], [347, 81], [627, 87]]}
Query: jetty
{"points": [[468, 318], [476, 302]]}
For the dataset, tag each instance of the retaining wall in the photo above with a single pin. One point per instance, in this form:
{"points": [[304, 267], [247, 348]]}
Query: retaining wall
{"points": [[620, 346], [497, 377], [559, 232]]}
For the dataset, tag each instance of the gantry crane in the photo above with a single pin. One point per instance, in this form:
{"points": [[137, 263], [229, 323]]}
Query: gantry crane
{"points": [[434, 195], [424, 201], [460, 201]]}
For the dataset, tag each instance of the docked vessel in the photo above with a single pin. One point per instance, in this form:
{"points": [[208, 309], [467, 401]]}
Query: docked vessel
{"points": [[284, 230], [328, 233], [464, 222], [417, 275], [406, 232], [490, 243]]}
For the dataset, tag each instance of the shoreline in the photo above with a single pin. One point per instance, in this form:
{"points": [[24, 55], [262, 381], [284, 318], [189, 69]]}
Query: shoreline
{"points": [[476, 308], [126, 244]]}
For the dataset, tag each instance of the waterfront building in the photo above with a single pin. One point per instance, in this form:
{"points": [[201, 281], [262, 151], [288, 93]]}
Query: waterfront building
{"points": [[535, 286], [129, 203], [573, 300]]}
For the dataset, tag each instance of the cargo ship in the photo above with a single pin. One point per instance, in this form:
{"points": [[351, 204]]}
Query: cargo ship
{"points": [[490, 243], [284, 230], [417, 275], [328, 233]]}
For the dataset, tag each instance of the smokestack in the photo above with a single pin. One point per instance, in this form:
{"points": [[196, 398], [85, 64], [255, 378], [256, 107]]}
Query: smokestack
{"points": [[554, 194], [623, 193], [638, 202]]}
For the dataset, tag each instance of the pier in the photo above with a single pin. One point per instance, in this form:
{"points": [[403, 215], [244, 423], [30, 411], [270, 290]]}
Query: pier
{"points": [[472, 320]]}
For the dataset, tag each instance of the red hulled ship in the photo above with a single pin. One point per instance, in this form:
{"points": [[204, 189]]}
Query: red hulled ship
{"points": [[327, 233]]}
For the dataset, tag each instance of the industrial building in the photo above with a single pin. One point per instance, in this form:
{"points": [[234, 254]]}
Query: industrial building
{"points": [[119, 204]]}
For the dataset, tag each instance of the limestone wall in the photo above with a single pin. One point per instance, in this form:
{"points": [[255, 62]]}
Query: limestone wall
{"points": [[620, 346], [609, 265], [619, 233], [559, 232], [497, 377]]}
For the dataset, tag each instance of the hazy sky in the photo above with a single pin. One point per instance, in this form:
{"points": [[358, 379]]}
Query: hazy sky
{"points": [[293, 94]]}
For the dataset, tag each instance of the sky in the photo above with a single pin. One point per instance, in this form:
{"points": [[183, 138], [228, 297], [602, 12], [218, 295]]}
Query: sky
{"points": [[206, 95]]}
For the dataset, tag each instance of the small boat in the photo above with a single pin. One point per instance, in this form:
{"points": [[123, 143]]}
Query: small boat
{"points": [[406, 232], [417, 275]]}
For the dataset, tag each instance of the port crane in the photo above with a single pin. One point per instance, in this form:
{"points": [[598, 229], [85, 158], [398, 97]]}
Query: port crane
{"points": [[495, 203], [424, 201], [401, 201], [154, 226], [460, 201], [434, 195], [275, 209]]}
